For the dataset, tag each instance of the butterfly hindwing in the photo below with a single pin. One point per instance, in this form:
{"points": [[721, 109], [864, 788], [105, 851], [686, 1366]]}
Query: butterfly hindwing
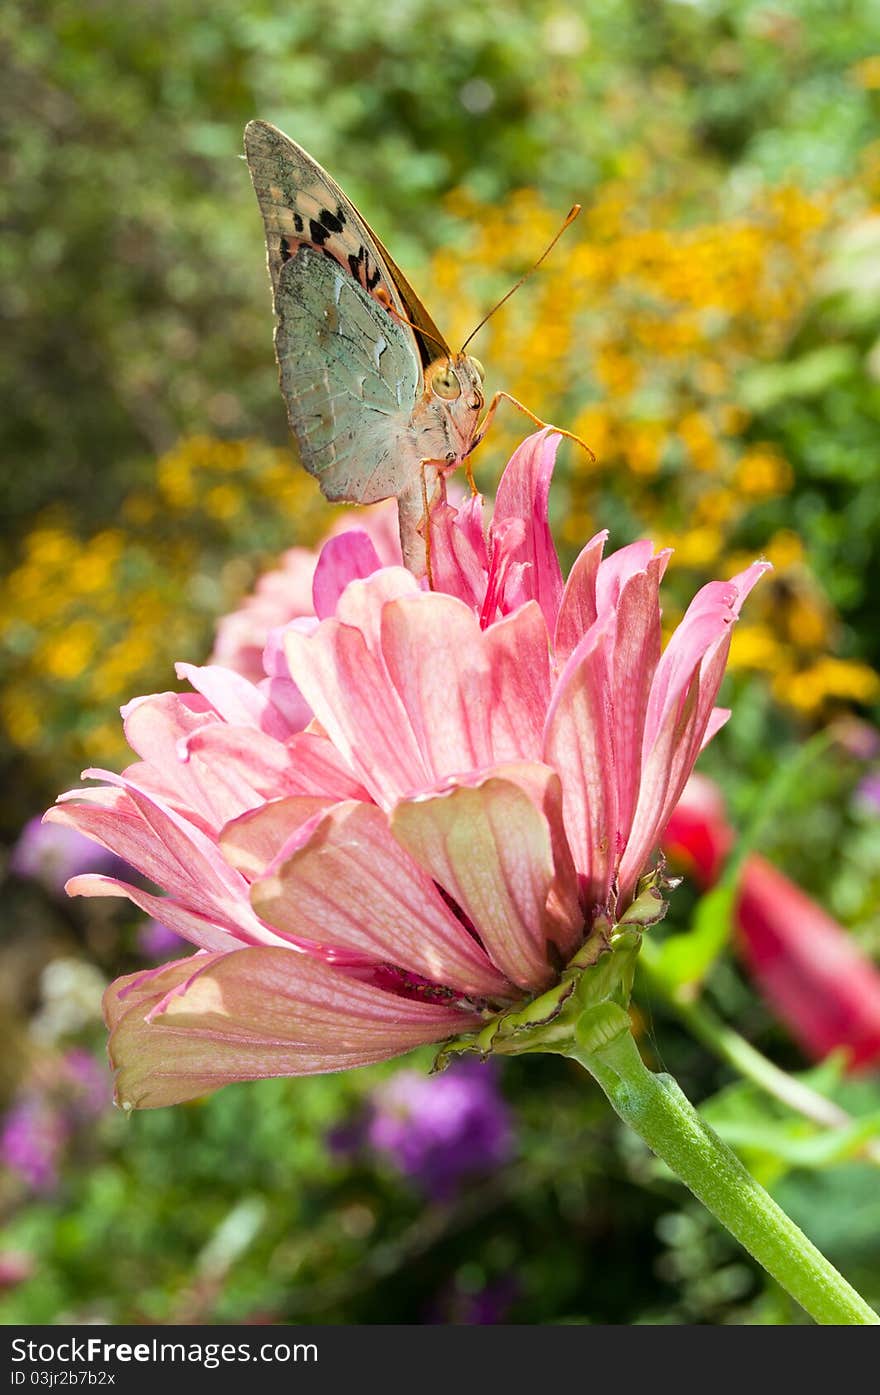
{"points": [[350, 375]]}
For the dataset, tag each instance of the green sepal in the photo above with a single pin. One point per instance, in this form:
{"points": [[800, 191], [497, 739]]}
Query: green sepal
{"points": [[600, 973], [599, 1026]]}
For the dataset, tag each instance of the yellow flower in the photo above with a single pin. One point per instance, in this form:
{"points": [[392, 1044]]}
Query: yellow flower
{"points": [[867, 73]]}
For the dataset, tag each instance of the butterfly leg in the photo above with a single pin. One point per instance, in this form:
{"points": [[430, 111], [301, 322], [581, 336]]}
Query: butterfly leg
{"points": [[440, 466], [505, 396]]}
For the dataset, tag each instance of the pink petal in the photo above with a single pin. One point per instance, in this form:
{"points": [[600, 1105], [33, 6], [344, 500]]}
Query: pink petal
{"points": [[579, 744], [352, 886], [349, 692], [165, 847], [490, 849], [635, 657], [544, 788], [522, 495], [436, 660], [707, 619], [363, 602], [616, 570], [459, 560], [305, 764], [198, 929], [253, 840], [234, 699], [254, 1014], [518, 651], [680, 710], [577, 609], [664, 776], [344, 558]]}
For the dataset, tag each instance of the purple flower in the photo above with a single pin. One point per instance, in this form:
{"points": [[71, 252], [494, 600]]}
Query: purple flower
{"points": [[459, 1306], [52, 853], [868, 792], [31, 1138], [441, 1129], [89, 1080], [156, 942]]}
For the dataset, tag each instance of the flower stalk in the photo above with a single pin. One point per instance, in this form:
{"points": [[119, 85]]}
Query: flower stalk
{"points": [[660, 1113]]}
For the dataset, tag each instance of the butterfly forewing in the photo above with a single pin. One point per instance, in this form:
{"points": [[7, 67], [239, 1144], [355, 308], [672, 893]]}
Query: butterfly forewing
{"points": [[303, 206], [350, 377]]}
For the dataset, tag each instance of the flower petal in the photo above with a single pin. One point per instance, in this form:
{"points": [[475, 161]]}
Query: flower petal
{"points": [[346, 557], [518, 651], [253, 1014], [579, 744], [436, 660], [522, 496], [201, 931], [352, 886], [490, 849], [459, 560], [577, 609], [234, 698], [255, 839], [347, 688]]}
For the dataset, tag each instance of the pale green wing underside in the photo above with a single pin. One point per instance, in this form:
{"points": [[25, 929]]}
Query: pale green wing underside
{"points": [[351, 377]]}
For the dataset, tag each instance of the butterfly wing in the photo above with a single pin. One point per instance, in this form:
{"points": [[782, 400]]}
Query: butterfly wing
{"points": [[303, 207], [351, 378]]}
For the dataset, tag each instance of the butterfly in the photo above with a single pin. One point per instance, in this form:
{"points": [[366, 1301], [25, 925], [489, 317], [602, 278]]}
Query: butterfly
{"points": [[379, 405]]}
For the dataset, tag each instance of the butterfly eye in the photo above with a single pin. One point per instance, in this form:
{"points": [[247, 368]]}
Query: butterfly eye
{"points": [[445, 383], [479, 369]]}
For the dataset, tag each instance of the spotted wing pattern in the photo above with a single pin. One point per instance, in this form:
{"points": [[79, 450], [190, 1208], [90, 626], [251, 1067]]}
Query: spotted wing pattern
{"points": [[351, 377], [303, 207]]}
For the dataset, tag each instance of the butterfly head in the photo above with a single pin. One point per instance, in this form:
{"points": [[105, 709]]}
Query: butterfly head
{"points": [[454, 386]]}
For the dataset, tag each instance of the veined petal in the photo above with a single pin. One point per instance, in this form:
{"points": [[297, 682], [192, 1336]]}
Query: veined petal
{"points": [[305, 764], [434, 655], [200, 930], [234, 698], [490, 849], [253, 1014], [544, 788], [363, 602], [578, 742], [665, 773], [164, 846], [522, 495], [346, 557], [252, 841], [635, 656], [518, 651], [459, 560], [707, 619], [348, 689], [617, 569], [351, 885], [577, 609]]}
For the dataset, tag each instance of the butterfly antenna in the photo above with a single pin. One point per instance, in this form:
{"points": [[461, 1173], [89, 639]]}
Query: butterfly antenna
{"points": [[385, 300], [573, 213]]}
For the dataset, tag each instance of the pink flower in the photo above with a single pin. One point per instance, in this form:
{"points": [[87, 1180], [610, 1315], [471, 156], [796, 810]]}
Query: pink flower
{"points": [[810, 971], [484, 776], [285, 593]]}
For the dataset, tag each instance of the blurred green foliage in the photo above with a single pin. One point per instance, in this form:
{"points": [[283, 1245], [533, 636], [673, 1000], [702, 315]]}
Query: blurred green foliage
{"points": [[137, 311]]}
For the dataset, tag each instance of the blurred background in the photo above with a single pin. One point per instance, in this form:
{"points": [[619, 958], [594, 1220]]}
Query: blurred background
{"points": [[711, 326]]}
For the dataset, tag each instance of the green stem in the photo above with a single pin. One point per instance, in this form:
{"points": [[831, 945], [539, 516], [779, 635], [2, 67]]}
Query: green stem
{"points": [[658, 1111], [749, 1062]]}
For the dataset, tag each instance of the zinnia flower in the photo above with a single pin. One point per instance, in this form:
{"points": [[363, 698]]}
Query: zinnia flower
{"points": [[485, 772]]}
